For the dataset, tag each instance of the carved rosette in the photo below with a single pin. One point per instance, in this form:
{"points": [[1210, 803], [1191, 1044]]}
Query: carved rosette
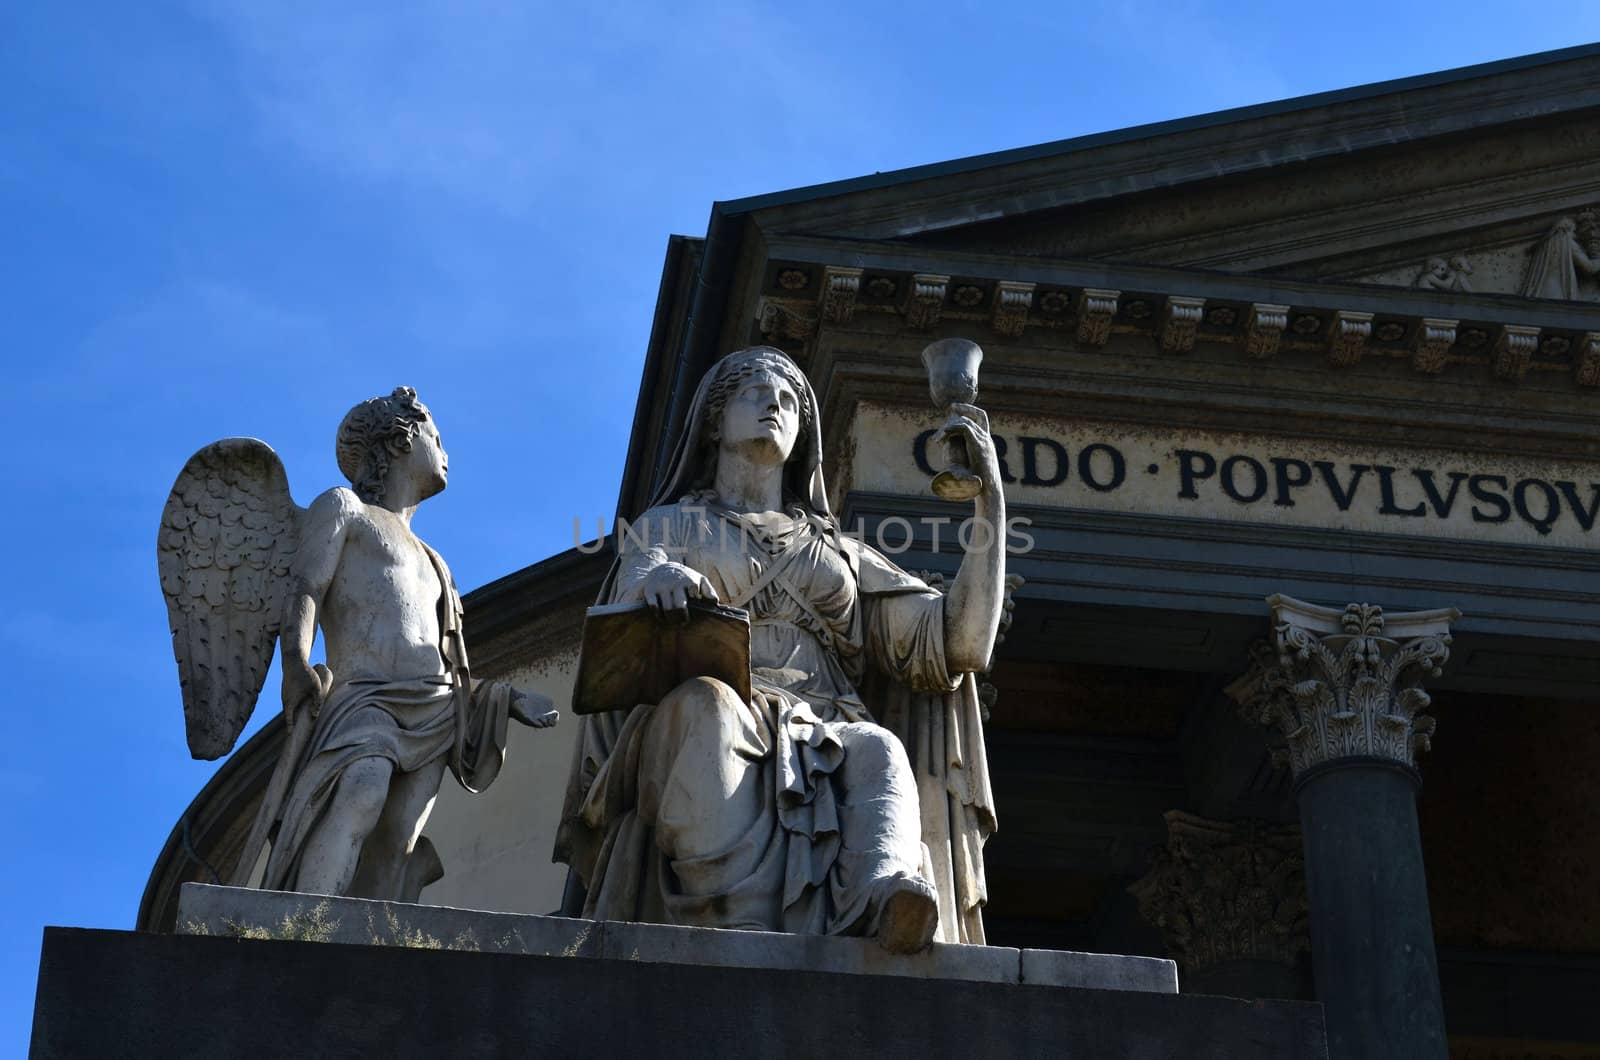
{"points": [[840, 286], [1012, 301], [1348, 337], [1513, 350], [1227, 891], [1433, 342], [1179, 322], [1345, 684], [925, 305], [1096, 308], [1264, 329]]}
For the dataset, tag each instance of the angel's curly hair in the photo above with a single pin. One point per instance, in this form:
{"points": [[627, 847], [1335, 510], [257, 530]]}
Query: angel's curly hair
{"points": [[371, 433]]}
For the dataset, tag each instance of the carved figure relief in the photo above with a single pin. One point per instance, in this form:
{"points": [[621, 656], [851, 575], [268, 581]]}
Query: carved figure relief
{"points": [[1441, 275], [1568, 254]]}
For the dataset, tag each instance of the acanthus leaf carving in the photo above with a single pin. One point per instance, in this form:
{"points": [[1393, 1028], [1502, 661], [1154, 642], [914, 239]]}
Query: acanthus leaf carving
{"points": [[1586, 361], [1096, 309], [1434, 338], [1348, 337], [786, 319], [1264, 329], [1227, 890], [1513, 350], [925, 304], [1345, 684], [1180, 321], [840, 286], [1012, 301]]}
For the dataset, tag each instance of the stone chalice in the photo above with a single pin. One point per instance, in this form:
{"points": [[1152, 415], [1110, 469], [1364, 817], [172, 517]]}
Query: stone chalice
{"points": [[952, 366]]}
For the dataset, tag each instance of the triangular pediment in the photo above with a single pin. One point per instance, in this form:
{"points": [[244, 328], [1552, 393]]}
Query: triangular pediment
{"points": [[1484, 179], [1516, 212]]}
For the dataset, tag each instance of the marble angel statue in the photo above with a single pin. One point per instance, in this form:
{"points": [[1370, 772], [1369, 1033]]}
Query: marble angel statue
{"points": [[371, 732], [850, 794]]}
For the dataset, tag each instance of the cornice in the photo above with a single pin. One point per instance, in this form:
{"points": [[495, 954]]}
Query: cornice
{"points": [[1202, 148]]}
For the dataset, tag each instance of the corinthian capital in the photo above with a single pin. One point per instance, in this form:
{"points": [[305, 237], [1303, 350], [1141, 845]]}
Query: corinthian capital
{"points": [[1227, 891], [1345, 684]]}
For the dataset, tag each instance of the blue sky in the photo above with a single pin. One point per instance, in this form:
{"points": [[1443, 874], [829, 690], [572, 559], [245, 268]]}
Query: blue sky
{"points": [[239, 218]]}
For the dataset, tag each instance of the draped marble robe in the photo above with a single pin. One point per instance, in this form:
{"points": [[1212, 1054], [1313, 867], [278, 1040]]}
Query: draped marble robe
{"points": [[410, 722], [826, 613]]}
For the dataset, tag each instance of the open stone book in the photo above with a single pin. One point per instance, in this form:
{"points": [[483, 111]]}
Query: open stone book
{"points": [[632, 655]]}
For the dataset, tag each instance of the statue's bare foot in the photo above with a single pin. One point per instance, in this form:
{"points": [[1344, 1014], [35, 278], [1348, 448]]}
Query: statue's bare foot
{"points": [[908, 916]]}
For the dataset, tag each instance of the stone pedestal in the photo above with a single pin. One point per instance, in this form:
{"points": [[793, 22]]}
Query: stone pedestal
{"points": [[1341, 688], [393, 980], [1229, 898]]}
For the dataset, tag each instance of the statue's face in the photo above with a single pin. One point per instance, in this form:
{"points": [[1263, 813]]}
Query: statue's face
{"points": [[763, 415], [427, 459]]}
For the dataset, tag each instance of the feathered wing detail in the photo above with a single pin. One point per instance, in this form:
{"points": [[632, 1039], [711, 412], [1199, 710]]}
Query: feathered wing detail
{"points": [[229, 532]]}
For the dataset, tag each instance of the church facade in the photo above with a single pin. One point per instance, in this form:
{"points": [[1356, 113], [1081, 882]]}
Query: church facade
{"points": [[1298, 410]]}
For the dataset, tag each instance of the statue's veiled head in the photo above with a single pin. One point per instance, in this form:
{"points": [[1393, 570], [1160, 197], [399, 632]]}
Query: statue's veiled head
{"points": [[388, 436], [757, 409], [758, 401]]}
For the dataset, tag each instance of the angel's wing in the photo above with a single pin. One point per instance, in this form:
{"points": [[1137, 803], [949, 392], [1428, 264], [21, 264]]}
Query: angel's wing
{"points": [[228, 534]]}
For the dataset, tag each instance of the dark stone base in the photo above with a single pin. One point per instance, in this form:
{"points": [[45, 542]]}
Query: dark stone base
{"points": [[114, 993]]}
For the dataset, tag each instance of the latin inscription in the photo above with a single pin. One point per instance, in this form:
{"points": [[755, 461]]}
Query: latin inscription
{"points": [[1410, 492], [1249, 478]]}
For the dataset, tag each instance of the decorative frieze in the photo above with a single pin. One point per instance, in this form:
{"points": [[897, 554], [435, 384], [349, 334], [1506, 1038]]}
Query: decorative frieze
{"points": [[1264, 329], [840, 286], [1341, 684], [1227, 891], [1586, 361], [1432, 344], [1096, 309], [925, 304], [1513, 350], [1180, 319], [1348, 336], [804, 297], [1012, 301]]}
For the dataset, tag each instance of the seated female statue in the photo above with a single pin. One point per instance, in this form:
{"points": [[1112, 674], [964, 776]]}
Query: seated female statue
{"points": [[795, 810]]}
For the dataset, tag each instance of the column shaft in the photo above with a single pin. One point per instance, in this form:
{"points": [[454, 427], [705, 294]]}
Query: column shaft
{"points": [[1371, 931], [1343, 689]]}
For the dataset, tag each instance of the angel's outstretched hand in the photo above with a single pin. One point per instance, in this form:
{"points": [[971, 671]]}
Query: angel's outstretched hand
{"points": [[534, 710]]}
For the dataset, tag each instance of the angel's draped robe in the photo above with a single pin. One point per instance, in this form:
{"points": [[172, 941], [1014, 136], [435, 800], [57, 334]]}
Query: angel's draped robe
{"points": [[791, 812], [410, 721]]}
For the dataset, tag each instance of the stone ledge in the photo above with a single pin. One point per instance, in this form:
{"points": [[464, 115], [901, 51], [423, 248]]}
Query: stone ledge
{"points": [[204, 909], [125, 993]]}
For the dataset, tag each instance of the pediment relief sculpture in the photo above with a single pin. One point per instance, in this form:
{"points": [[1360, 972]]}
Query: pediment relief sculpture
{"points": [[1566, 256], [1561, 264]]}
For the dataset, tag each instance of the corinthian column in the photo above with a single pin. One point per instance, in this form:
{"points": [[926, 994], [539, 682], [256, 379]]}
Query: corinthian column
{"points": [[1342, 689], [1230, 900]]}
